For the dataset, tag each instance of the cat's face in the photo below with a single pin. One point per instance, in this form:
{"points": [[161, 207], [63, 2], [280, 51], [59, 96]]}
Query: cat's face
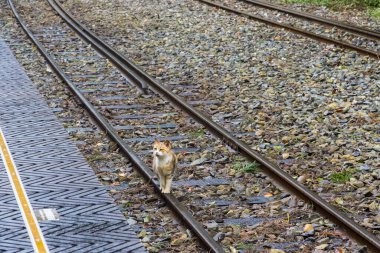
{"points": [[161, 148]]}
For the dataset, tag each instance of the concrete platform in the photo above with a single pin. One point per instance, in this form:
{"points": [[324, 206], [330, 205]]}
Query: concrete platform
{"points": [[55, 176]]}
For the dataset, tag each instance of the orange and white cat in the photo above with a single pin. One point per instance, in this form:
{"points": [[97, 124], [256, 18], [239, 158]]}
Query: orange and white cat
{"points": [[164, 164]]}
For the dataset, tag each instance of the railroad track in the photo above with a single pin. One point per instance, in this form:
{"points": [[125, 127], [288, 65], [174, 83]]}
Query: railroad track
{"points": [[343, 35], [129, 124], [348, 27]]}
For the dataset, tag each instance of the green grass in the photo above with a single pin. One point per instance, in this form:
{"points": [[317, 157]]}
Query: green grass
{"points": [[95, 157], [373, 6], [339, 3], [198, 133], [375, 13], [246, 246], [246, 167], [342, 177], [127, 204]]}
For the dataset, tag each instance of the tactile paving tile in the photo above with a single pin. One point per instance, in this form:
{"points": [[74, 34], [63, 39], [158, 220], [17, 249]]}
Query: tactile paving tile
{"points": [[54, 174], [13, 235]]}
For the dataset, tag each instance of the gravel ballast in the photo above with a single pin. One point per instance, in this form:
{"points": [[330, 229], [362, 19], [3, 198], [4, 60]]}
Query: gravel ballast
{"points": [[314, 107]]}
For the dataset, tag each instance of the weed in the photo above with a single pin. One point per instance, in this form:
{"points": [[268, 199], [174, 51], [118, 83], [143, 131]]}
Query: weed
{"points": [[95, 157], [198, 133], [160, 245], [245, 246], [277, 149], [126, 204], [339, 3], [342, 177], [372, 6], [246, 167], [375, 13]]}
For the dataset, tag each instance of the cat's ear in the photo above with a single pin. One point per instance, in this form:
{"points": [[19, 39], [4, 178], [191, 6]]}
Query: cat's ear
{"points": [[168, 144], [156, 141]]}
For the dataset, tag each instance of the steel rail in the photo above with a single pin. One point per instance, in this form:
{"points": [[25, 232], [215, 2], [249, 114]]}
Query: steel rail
{"points": [[279, 176], [295, 29], [173, 202], [347, 27]]}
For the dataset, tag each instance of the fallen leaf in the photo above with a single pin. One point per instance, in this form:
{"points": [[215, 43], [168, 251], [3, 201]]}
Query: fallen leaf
{"points": [[308, 228], [339, 201], [233, 250], [322, 246], [198, 161], [178, 241], [276, 251]]}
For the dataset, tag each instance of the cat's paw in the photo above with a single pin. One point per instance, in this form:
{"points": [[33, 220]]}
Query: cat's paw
{"points": [[165, 191]]}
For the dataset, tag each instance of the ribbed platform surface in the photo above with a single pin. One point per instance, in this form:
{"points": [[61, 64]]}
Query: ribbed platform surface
{"points": [[55, 176]]}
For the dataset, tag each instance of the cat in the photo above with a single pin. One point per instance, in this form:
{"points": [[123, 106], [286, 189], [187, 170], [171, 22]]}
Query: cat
{"points": [[164, 164]]}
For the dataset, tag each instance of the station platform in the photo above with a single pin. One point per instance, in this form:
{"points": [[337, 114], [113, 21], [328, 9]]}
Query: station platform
{"points": [[50, 199]]}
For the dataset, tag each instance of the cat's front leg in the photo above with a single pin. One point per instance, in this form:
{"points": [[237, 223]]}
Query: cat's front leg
{"points": [[154, 165], [160, 179], [168, 183], [163, 186]]}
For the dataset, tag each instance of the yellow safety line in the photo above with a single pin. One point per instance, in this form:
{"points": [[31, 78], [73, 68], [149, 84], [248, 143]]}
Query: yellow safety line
{"points": [[30, 220]]}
